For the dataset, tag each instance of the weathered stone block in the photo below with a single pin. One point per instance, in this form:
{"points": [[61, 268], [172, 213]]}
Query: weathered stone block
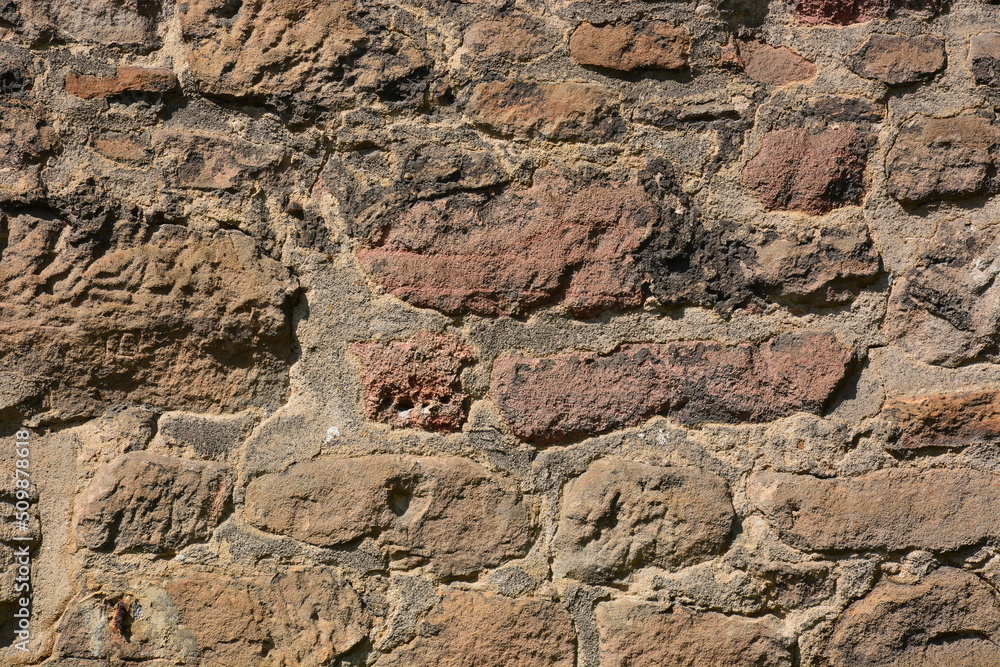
{"points": [[899, 60], [148, 502], [895, 509], [629, 47], [620, 516]]}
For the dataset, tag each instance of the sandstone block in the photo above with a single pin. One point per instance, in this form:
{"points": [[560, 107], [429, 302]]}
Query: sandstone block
{"points": [[574, 395], [895, 509], [620, 516], [810, 172], [984, 58], [950, 618], [126, 80], [292, 48], [149, 502], [470, 629], [551, 111], [898, 60], [943, 420], [631, 46], [774, 66], [449, 512], [554, 241], [516, 38], [27, 140], [942, 158], [639, 634], [415, 383], [944, 310]]}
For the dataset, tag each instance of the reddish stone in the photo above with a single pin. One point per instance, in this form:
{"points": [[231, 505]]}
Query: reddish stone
{"points": [[774, 66], [949, 420], [811, 172], [630, 47], [553, 111], [574, 395], [555, 241], [126, 80], [898, 59], [640, 634], [839, 12], [415, 383]]}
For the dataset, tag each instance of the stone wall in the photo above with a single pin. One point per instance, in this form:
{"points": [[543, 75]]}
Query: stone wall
{"points": [[501, 332]]}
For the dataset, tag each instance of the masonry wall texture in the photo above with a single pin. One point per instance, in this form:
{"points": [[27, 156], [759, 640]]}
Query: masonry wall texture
{"points": [[483, 333]]}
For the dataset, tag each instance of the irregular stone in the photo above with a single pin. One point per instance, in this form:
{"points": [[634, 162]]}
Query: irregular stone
{"points": [[553, 111], [895, 509], [126, 80], [942, 158], [132, 25], [415, 383], [300, 616], [148, 502], [945, 310], [128, 311], [942, 420], [26, 142], [984, 58], [898, 60], [208, 435], [811, 172], [448, 511], [816, 266], [774, 66], [839, 12], [515, 38], [124, 148], [554, 241], [620, 516], [293, 49], [631, 46], [639, 634], [470, 629], [950, 618], [216, 163], [574, 395]]}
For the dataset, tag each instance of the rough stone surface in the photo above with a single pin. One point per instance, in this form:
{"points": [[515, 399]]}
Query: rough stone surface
{"points": [[630, 47], [621, 515], [948, 618], [416, 382], [500, 332], [896, 509], [449, 512], [568, 396], [126, 80], [469, 629], [942, 158], [948, 420], [899, 59], [811, 172], [638, 634], [553, 111], [984, 58], [774, 66], [154, 503], [554, 241]]}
